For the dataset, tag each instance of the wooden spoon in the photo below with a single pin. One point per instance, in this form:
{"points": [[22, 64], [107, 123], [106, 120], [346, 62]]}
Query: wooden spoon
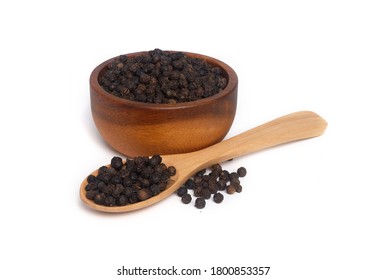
{"points": [[292, 127]]}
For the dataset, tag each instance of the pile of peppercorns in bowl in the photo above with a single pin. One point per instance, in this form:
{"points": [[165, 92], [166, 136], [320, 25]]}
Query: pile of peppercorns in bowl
{"points": [[162, 77], [209, 183], [163, 102]]}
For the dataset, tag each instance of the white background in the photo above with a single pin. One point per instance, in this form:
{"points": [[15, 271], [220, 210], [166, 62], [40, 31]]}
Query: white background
{"points": [[310, 210]]}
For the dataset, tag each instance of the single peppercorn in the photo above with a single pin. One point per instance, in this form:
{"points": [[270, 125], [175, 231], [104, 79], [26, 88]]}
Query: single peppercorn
{"points": [[218, 197], [181, 191], [200, 203], [90, 194], [143, 194], [99, 198], [186, 198], [122, 200], [242, 171], [172, 170], [116, 163], [206, 194], [155, 189], [189, 184], [109, 201], [91, 178], [231, 189]]}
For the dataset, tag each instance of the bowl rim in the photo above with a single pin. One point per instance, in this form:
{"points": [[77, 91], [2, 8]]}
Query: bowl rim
{"points": [[231, 86]]}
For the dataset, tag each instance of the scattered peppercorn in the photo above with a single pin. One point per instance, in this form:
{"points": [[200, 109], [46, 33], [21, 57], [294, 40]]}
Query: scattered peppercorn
{"points": [[231, 189], [186, 198], [200, 203], [212, 181], [218, 197], [242, 171], [181, 191], [128, 182], [162, 77]]}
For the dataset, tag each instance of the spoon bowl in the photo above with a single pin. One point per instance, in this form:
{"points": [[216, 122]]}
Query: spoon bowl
{"points": [[289, 128]]}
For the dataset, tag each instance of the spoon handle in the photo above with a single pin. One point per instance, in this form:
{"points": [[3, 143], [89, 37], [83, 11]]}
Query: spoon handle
{"points": [[292, 127]]}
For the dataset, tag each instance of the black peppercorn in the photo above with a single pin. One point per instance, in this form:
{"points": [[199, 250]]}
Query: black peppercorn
{"points": [[116, 163], [172, 170], [231, 189], [181, 191], [90, 194], [99, 198], [102, 169], [143, 194], [198, 191], [109, 201], [91, 178], [155, 189], [186, 198], [218, 197], [217, 167], [155, 160], [200, 203], [222, 184], [206, 194], [242, 171], [122, 200]]}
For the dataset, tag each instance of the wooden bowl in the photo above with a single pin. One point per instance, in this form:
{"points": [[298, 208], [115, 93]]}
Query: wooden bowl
{"points": [[136, 128]]}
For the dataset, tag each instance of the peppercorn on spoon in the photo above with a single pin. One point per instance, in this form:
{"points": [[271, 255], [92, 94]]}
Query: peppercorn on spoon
{"points": [[288, 128]]}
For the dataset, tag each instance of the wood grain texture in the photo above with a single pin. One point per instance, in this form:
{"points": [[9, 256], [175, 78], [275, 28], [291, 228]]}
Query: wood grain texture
{"points": [[136, 128], [289, 128]]}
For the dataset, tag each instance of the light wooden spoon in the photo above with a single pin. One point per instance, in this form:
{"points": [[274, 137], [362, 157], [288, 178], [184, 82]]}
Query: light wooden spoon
{"points": [[292, 127]]}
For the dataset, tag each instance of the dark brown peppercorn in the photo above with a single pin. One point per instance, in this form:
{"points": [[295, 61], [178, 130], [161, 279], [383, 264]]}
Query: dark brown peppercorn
{"points": [[231, 189], [143, 194], [217, 168], [206, 194], [91, 179], [200, 203], [172, 170], [186, 198], [116, 163], [155, 160], [91, 194], [190, 184], [109, 201], [155, 189], [222, 185], [218, 197], [99, 198], [198, 191], [181, 191], [122, 200], [242, 171]]}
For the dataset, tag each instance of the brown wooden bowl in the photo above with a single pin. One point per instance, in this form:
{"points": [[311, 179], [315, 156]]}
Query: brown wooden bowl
{"points": [[136, 128]]}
